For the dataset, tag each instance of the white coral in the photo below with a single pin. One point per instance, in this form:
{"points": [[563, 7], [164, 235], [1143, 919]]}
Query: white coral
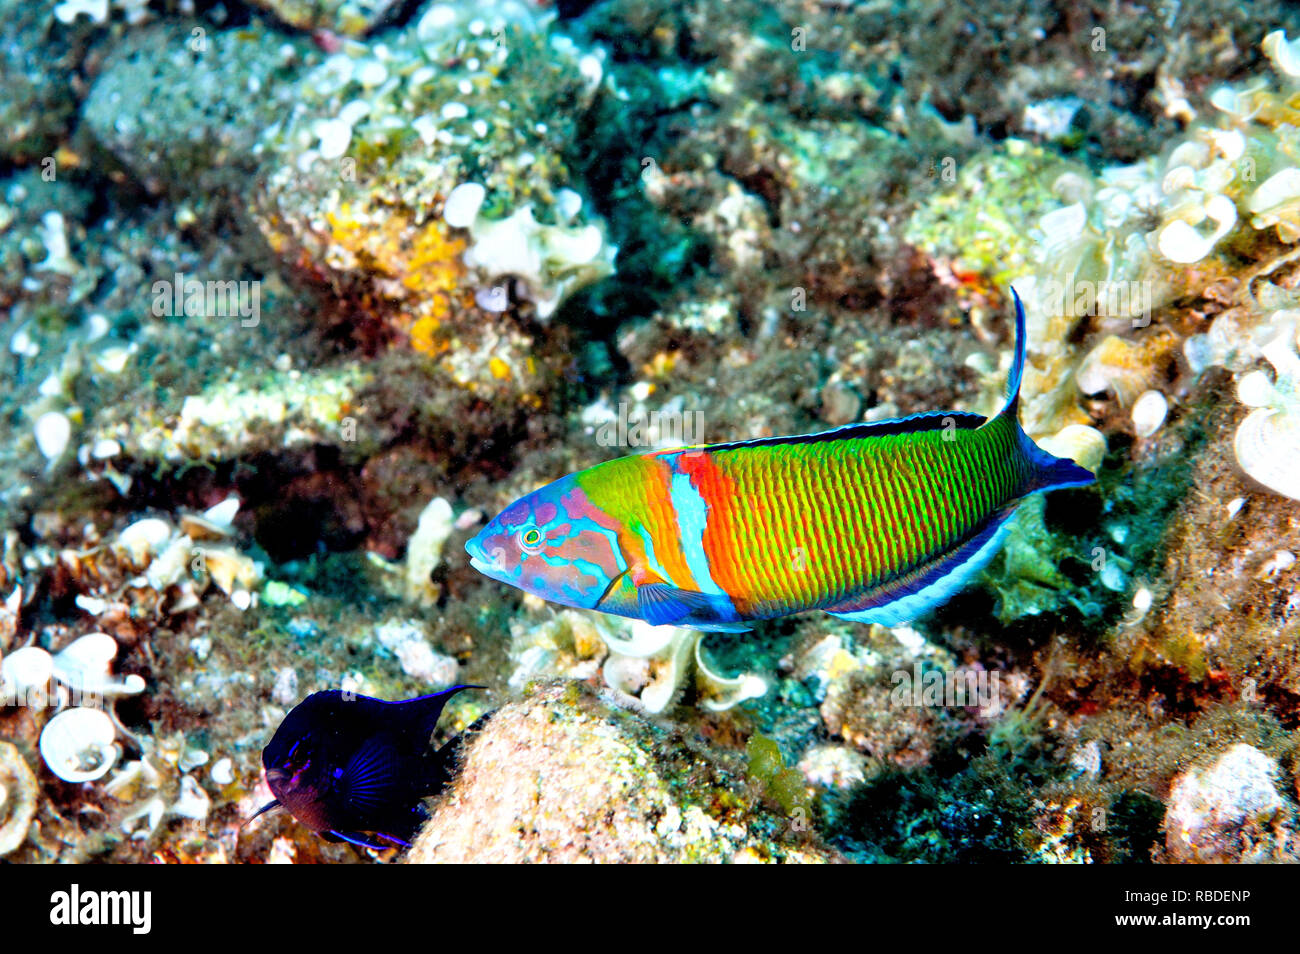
{"points": [[1267, 443], [551, 262]]}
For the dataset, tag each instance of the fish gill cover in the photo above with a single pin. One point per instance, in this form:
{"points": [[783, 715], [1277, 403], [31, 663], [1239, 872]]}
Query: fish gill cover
{"points": [[692, 320]]}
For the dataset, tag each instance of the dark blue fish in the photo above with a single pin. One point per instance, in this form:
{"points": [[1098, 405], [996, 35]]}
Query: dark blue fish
{"points": [[346, 765]]}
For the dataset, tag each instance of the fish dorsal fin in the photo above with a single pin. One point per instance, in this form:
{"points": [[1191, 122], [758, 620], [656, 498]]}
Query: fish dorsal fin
{"points": [[916, 423], [426, 710]]}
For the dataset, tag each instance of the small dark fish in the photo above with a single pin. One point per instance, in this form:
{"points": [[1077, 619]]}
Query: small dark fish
{"points": [[345, 765]]}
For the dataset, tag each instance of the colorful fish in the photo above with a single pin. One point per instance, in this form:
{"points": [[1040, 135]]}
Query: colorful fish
{"points": [[875, 523], [345, 765]]}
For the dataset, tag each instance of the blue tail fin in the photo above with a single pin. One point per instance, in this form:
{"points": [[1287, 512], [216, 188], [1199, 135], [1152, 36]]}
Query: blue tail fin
{"points": [[1051, 472], [1048, 471], [1012, 407]]}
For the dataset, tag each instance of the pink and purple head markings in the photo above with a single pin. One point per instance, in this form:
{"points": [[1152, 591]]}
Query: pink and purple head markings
{"points": [[553, 543]]}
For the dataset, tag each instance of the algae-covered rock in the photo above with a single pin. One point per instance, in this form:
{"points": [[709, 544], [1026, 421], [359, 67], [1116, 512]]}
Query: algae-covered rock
{"points": [[564, 776], [348, 17], [1224, 812], [359, 174], [18, 798], [36, 103], [165, 102]]}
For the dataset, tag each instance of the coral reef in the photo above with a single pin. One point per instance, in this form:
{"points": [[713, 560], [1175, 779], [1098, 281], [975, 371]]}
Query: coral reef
{"points": [[291, 300], [36, 111], [162, 102], [345, 17], [652, 665], [19, 794]]}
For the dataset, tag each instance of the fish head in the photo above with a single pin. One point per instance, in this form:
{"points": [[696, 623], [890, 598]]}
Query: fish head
{"points": [[299, 781], [553, 543], [302, 759]]}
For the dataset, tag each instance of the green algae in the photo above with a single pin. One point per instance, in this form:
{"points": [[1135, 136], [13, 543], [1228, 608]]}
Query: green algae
{"points": [[785, 786]]}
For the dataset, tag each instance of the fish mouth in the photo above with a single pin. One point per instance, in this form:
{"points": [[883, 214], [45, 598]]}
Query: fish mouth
{"points": [[487, 568]]}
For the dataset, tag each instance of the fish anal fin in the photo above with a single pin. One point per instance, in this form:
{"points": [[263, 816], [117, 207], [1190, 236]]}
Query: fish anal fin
{"points": [[930, 584], [361, 841]]}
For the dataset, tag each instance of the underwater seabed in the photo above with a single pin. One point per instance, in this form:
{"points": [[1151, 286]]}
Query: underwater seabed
{"points": [[296, 298]]}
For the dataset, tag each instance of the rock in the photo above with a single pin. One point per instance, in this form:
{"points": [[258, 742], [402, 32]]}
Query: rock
{"points": [[564, 776], [175, 101], [18, 798], [1217, 813], [35, 108], [405, 640], [354, 180], [346, 17]]}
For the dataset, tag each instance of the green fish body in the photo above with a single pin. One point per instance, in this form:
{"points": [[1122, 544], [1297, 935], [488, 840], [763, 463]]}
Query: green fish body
{"points": [[872, 522]]}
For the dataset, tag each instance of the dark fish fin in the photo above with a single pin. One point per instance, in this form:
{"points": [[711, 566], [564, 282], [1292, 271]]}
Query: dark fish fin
{"points": [[915, 423], [1055, 473], [372, 780], [662, 604], [929, 585], [356, 838], [426, 710]]}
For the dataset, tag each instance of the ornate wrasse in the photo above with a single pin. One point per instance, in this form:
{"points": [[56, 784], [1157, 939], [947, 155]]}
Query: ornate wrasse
{"points": [[875, 523]]}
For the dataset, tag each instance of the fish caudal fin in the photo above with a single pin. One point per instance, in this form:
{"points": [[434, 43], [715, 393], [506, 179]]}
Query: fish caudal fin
{"points": [[1012, 407], [1046, 471], [1054, 473]]}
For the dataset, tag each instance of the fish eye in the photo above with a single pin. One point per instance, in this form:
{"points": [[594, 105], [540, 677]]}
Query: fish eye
{"points": [[530, 539]]}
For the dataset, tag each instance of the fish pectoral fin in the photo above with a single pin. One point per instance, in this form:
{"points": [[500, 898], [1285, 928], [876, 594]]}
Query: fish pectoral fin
{"points": [[372, 778], [929, 585], [619, 597], [662, 604]]}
